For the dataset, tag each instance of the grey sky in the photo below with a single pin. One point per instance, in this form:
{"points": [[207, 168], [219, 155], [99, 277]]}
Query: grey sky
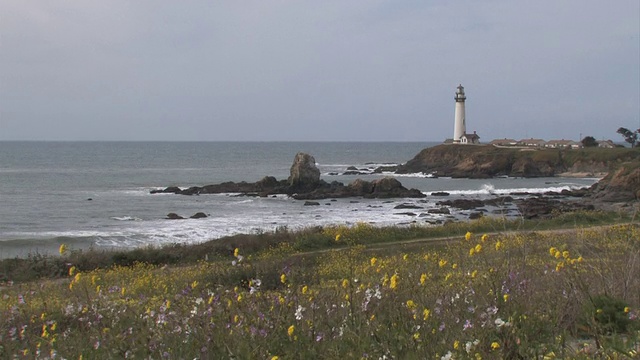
{"points": [[365, 70]]}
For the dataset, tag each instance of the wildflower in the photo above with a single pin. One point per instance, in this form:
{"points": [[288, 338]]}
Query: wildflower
{"points": [[484, 237], [416, 336], [565, 254], [456, 345], [425, 314], [338, 237], [472, 251], [467, 325], [194, 284], [299, 311], [454, 266], [474, 273], [495, 345], [626, 309], [276, 357], [442, 263], [447, 356], [553, 251], [63, 249], [283, 278], [305, 289], [236, 252], [505, 297], [478, 248], [394, 281], [405, 257], [72, 270], [345, 283], [411, 305], [468, 236], [423, 279], [499, 245], [373, 261], [291, 329]]}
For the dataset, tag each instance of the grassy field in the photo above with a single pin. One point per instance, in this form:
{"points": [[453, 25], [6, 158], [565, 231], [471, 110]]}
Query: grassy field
{"points": [[488, 289]]}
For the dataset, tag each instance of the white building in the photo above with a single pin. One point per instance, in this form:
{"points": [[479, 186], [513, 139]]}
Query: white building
{"points": [[460, 125]]}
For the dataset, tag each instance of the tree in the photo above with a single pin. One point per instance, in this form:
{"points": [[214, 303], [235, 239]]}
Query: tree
{"points": [[589, 141], [629, 136]]}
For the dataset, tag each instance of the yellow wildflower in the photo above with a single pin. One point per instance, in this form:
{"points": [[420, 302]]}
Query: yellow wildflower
{"points": [[236, 252], [275, 358], [305, 289], [77, 277], [373, 261], [72, 270], [565, 254], [425, 314], [423, 279], [442, 263], [499, 245], [456, 344], [239, 298], [484, 237], [505, 297], [236, 318], [454, 266], [345, 283], [283, 278], [411, 305], [495, 345], [474, 273], [405, 257], [194, 284], [291, 329], [478, 248], [553, 251], [468, 236], [416, 336], [338, 237], [472, 251], [63, 249], [394, 281], [626, 309]]}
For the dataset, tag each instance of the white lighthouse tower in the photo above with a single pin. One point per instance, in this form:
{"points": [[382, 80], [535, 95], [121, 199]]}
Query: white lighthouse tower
{"points": [[460, 126]]}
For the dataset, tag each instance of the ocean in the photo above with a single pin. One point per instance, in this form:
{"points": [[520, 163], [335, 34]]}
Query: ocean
{"points": [[97, 194]]}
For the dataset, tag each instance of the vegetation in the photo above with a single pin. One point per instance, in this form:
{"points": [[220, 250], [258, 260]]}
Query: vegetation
{"points": [[512, 295], [589, 141], [629, 136]]}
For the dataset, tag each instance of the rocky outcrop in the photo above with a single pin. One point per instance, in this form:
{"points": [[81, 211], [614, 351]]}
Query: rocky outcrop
{"points": [[484, 161], [545, 208], [621, 185], [304, 175], [304, 183]]}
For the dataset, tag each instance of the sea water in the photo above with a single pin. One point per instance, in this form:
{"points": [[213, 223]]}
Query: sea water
{"points": [[97, 194]]}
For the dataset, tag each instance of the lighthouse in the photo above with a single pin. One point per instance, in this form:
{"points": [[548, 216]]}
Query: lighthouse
{"points": [[460, 125]]}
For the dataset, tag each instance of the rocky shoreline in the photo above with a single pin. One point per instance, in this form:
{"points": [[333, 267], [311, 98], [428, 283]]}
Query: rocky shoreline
{"points": [[619, 189]]}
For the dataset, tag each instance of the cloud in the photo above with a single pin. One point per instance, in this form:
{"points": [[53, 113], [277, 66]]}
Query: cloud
{"points": [[334, 70]]}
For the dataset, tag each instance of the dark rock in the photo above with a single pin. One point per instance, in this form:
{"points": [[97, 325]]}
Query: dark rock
{"points": [[440, 193], [407, 206], [406, 213], [89, 199], [475, 215], [442, 210], [352, 168], [463, 204], [311, 203], [304, 175], [174, 216], [169, 190], [198, 215]]}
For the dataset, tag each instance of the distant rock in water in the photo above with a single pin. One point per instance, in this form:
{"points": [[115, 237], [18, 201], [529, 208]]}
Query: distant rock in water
{"points": [[198, 215], [304, 183], [304, 175], [174, 216]]}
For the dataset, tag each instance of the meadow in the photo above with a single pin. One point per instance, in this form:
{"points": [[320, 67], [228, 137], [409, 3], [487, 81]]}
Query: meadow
{"points": [[341, 293]]}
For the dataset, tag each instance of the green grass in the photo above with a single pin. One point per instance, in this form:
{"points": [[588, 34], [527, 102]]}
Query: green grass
{"points": [[573, 294]]}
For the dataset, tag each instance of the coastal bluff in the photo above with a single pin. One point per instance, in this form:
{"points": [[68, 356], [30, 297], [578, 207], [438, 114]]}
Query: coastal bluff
{"points": [[487, 161], [304, 183]]}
